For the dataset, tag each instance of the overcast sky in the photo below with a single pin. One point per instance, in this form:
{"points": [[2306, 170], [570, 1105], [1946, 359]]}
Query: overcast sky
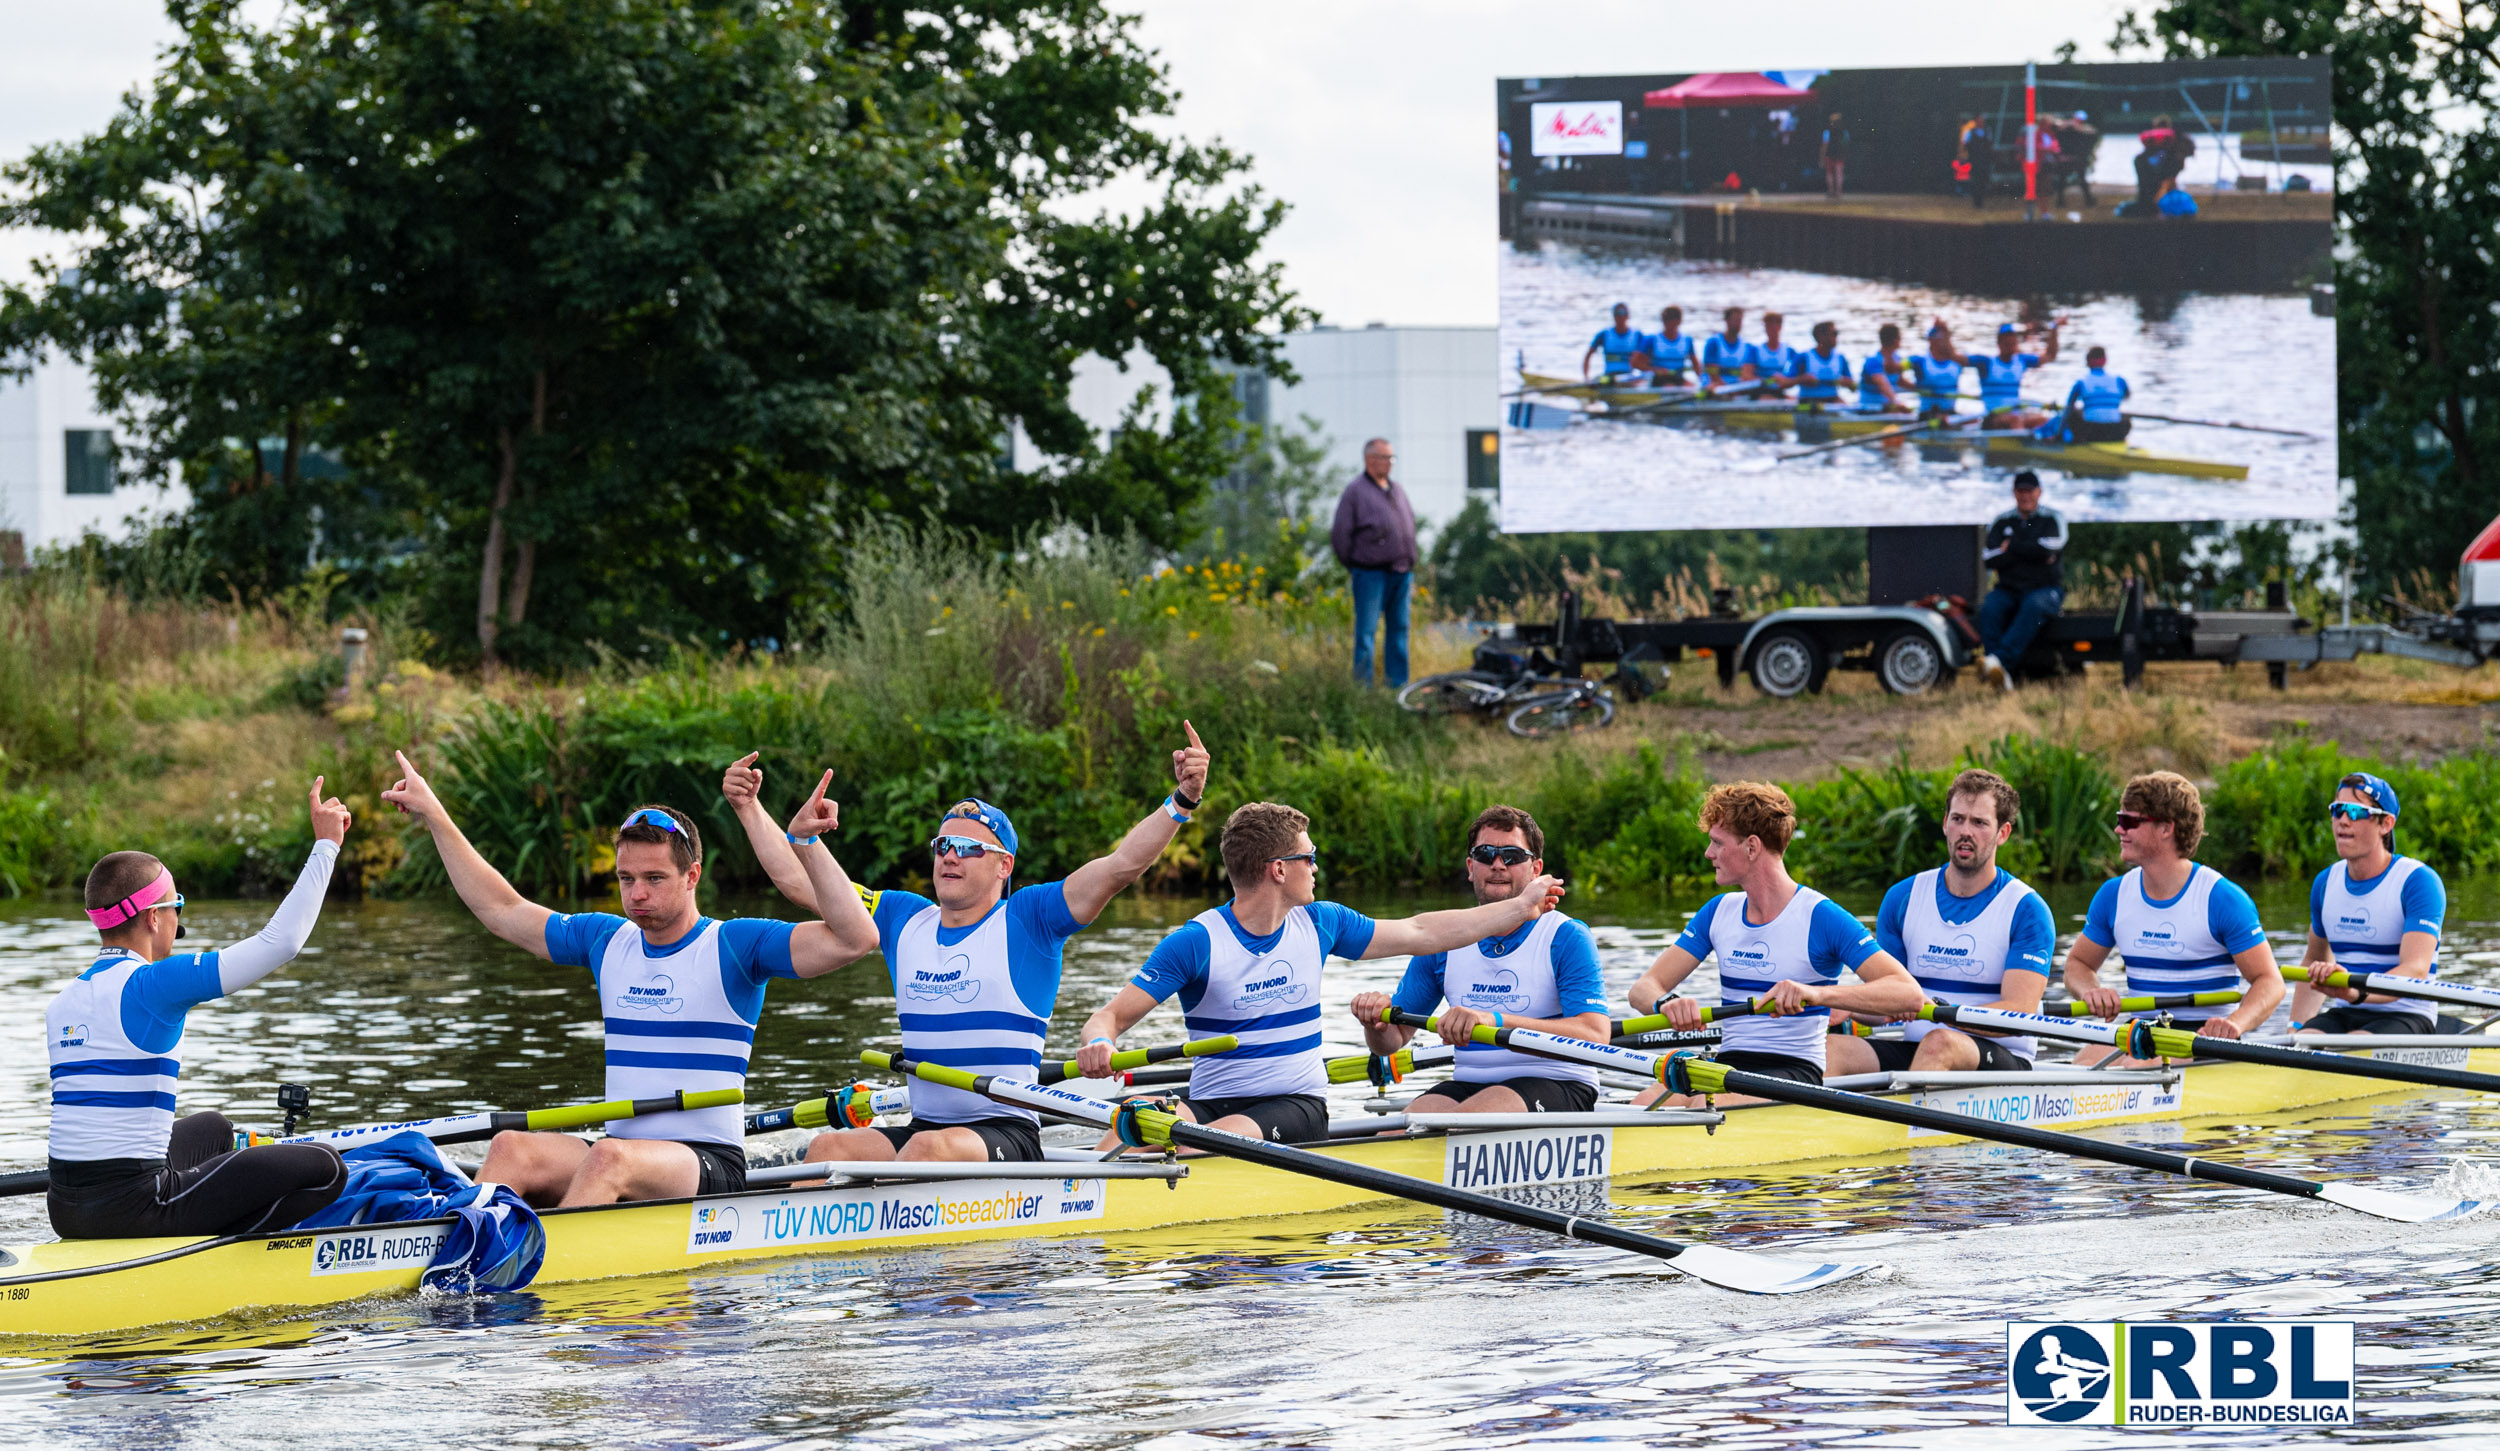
{"points": [[1372, 118]]}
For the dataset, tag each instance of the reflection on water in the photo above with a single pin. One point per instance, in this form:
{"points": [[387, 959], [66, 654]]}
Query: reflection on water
{"points": [[2234, 357], [1398, 1329]]}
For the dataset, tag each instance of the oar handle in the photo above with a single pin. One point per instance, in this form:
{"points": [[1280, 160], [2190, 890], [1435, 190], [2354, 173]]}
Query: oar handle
{"points": [[2159, 1003], [26, 1181], [1139, 1057], [588, 1115]]}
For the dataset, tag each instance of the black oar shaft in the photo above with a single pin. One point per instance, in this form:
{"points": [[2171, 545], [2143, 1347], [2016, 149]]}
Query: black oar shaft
{"points": [[1783, 1090], [2173, 1043], [25, 1181]]}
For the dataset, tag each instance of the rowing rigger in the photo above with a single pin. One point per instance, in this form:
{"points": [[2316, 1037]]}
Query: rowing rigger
{"points": [[1686, 1073], [1143, 1126], [858, 1106], [461, 1128], [2153, 1040]]}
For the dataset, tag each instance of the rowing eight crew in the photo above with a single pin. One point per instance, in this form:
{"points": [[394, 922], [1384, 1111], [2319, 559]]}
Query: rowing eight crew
{"points": [[975, 969], [1922, 385]]}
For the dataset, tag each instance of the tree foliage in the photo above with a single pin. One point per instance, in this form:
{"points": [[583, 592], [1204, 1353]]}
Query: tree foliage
{"points": [[2418, 266], [623, 311]]}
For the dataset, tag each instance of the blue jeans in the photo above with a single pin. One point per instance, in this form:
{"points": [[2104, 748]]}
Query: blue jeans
{"points": [[1379, 592], [2010, 618]]}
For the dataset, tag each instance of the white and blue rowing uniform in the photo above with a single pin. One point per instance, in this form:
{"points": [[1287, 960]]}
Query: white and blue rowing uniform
{"points": [[1886, 366], [676, 1017], [1723, 357], [1939, 382], [1772, 360], [2182, 944], [978, 997], [2001, 380], [2100, 396], [1813, 940], [1543, 968], [2364, 922], [1819, 376], [1619, 344], [1670, 357], [1263, 990], [1961, 948], [114, 1034]]}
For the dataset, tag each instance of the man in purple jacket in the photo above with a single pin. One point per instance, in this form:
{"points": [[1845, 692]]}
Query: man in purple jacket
{"points": [[1374, 538]]}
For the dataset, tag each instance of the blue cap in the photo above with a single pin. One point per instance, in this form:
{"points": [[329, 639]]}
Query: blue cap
{"points": [[2374, 787], [989, 816], [2006, 327], [1622, 307]]}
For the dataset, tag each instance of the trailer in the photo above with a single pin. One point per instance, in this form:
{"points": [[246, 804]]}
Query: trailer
{"points": [[1921, 646]]}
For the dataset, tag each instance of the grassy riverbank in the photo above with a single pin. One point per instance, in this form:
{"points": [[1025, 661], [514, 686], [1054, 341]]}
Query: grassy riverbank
{"points": [[1055, 683]]}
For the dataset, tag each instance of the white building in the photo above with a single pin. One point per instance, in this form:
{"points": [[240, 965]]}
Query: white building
{"points": [[1433, 392], [58, 478]]}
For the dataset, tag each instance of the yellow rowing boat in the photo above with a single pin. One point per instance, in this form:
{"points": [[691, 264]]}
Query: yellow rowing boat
{"points": [[90, 1287]]}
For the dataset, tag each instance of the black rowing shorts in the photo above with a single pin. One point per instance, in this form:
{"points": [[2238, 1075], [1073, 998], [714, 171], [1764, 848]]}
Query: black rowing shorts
{"points": [[203, 1185], [2347, 1018], [1010, 1140], [1541, 1095], [719, 1168], [1284, 1118], [1894, 1055], [1770, 1065]]}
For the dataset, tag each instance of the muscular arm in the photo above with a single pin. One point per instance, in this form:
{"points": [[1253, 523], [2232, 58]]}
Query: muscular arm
{"points": [[484, 891], [773, 851], [1117, 1016], [847, 932], [1091, 887], [1672, 966], [290, 927], [1441, 931], [2020, 992], [1884, 988], [2264, 991]]}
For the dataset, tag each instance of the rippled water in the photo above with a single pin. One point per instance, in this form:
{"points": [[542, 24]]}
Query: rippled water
{"points": [[1388, 1329], [2224, 356]]}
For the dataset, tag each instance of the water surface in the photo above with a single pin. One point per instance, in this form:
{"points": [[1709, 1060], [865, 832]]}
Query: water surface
{"points": [[1389, 1329]]}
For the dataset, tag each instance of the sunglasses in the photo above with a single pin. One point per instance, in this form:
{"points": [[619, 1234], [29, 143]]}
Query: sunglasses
{"points": [[1301, 856], [653, 816], [962, 848], [175, 906], [2352, 811], [1509, 856], [2130, 820]]}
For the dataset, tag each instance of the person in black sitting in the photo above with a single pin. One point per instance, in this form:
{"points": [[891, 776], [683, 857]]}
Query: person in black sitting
{"points": [[2024, 546]]}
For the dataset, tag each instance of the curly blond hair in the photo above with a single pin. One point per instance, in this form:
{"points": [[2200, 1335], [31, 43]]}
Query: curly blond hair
{"points": [[1752, 808], [2168, 796]]}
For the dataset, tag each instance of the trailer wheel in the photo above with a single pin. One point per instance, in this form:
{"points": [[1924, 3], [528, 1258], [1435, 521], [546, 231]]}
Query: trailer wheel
{"points": [[1908, 662], [1788, 662]]}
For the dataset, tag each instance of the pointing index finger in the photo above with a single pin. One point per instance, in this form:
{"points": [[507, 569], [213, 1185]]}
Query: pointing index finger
{"points": [[1194, 743]]}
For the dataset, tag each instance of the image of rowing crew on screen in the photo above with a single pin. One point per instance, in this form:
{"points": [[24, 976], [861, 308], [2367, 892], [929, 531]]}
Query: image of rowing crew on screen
{"points": [[1889, 395], [1824, 1039]]}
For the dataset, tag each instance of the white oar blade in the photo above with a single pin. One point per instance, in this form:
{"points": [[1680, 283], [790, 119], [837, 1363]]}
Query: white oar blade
{"points": [[1760, 1274], [2403, 1208]]}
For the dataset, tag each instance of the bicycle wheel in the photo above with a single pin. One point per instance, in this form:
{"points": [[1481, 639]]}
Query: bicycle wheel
{"points": [[1453, 693], [1561, 712]]}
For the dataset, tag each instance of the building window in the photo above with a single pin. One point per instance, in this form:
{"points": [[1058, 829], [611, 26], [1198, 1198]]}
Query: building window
{"points": [[90, 460], [1484, 459]]}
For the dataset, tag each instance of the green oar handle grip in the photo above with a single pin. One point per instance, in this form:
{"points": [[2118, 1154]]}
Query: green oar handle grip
{"points": [[2331, 977], [586, 1115], [1140, 1057]]}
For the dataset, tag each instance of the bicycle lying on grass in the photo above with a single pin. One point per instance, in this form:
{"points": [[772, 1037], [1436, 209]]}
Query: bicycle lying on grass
{"points": [[1533, 701]]}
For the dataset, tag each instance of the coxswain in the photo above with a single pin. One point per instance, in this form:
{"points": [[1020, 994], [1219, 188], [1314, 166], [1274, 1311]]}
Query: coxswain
{"points": [[1822, 371], [1938, 373], [976, 964], [2182, 927], [1667, 354], [1617, 344], [1972, 934], [1776, 941], [679, 997], [2001, 377], [1541, 975], [122, 1166], [1723, 353], [1251, 969], [1770, 361], [2372, 911], [2095, 406], [1881, 376]]}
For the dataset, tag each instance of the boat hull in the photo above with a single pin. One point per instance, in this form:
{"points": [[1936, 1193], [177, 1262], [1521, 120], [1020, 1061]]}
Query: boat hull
{"points": [[92, 1287], [2116, 458]]}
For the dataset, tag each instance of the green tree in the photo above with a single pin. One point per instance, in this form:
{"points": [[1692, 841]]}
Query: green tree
{"points": [[1473, 563], [2418, 265], [622, 310]]}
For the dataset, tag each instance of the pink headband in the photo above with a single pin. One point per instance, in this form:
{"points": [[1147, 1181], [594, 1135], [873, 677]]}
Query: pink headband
{"points": [[108, 918]]}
